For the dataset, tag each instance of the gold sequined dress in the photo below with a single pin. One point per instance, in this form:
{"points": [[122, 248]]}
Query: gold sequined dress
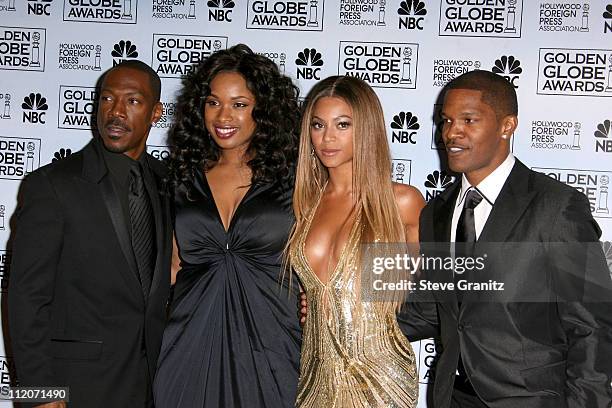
{"points": [[353, 353]]}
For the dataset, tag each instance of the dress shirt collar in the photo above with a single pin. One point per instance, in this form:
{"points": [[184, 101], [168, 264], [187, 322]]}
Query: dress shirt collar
{"points": [[491, 186]]}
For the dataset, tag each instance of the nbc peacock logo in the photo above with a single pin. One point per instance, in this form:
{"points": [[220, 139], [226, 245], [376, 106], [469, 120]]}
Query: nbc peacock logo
{"points": [[404, 128], [34, 108], [411, 14], [220, 10], [436, 183], [123, 50], [603, 139], [309, 62], [509, 67]]}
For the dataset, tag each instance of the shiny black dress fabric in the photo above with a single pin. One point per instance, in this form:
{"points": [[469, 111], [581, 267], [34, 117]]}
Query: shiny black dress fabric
{"points": [[233, 336]]}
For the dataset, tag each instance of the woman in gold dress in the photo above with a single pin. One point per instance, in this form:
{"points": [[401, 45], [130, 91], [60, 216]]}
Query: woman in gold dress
{"points": [[353, 353]]}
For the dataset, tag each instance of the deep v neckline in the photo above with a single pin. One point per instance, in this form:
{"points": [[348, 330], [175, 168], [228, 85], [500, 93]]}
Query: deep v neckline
{"points": [[336, 269], [214, 203]]}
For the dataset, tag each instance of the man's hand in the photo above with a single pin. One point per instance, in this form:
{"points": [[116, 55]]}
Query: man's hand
{"points": [[303, 306]]}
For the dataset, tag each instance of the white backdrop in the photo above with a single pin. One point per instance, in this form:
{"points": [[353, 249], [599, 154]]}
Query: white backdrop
{"points": [[557, 53]]}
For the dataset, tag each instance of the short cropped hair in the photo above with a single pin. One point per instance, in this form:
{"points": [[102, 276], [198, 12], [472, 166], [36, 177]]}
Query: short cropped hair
{"points": [[138, 65], [497, 92]]}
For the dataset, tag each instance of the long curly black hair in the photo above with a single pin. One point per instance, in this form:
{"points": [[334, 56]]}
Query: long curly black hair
{"points": [[276, 113]]}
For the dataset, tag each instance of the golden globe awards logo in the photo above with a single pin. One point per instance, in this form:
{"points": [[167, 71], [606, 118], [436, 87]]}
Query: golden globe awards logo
{"points": [[361, 13], [555, 134], [411, 14], [174, 9], [575, 72], [564, 17], [101, 11], [18, 157], [481, 18], [77, 107], [445, 70], [426, 351], [382, 65], [80, 57], [174, 55], [22, 48], [220, 10], [593, 184], [437, 182], [603, 137], [401, 170], [404, 128], [167, 118], [295, 15], [159, 152]]}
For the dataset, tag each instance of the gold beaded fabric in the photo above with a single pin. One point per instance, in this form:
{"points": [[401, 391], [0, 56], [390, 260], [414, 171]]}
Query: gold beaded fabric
{"points": [[353, 353]]}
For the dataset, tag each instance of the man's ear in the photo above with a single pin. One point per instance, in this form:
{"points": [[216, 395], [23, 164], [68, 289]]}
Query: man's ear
{"points": [[509, 124], [157, 112]]}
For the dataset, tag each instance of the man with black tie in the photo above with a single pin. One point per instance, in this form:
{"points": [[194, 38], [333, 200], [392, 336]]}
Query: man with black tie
{"points": [[546, 342], [90, 272]]}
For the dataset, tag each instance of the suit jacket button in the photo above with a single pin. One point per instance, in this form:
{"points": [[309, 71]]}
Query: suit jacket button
{"points": [[460, 327]]}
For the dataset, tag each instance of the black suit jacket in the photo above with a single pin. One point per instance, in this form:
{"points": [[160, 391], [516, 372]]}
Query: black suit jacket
{"points": [[77, 314], [540, 344]]}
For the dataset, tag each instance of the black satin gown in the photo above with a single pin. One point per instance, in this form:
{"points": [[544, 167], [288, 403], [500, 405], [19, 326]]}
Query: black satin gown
{"points": [[233, 335]]}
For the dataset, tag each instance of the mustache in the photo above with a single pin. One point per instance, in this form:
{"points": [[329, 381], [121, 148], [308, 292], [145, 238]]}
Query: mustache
{"points": [[116, 122]]}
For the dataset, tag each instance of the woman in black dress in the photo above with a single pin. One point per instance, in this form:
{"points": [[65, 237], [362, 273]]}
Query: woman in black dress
{"points": [[233, 338]]}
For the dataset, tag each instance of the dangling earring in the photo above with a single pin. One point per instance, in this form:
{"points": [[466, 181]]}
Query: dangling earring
{"points": [[313, 160]]}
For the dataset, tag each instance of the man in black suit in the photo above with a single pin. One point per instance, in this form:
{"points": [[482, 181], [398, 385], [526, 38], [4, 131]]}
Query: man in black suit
{"points": [[545, 341], [90, 272]]}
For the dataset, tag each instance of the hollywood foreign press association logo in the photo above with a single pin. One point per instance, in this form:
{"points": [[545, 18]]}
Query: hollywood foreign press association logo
{"points": [[411, 15], [39, 7], [436, 183], [603, 137], [34, 108], [369, 13], [278, 57], [173, 9], [101, 11], [401, 170], [607, 15], [167, 118], [495, 18], [159, 152], [293, 15], [22, 48], [7, 5], [555, 134], [382, 65], [509, 67], [5, 105], [404, 128], [122, 51], [175, 55], [220, 10], [594, 184], [309, 62], [19, 156], [564, 17], [445, 70], [80, 56], [575, 72]]}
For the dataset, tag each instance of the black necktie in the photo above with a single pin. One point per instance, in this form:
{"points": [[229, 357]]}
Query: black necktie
{"points": [[466, 232], [143, 231], [466, 228]]}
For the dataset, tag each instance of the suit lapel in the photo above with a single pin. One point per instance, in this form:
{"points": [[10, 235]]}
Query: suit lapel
{"points": [[443, 216], [95, 171], [510, 205]]}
